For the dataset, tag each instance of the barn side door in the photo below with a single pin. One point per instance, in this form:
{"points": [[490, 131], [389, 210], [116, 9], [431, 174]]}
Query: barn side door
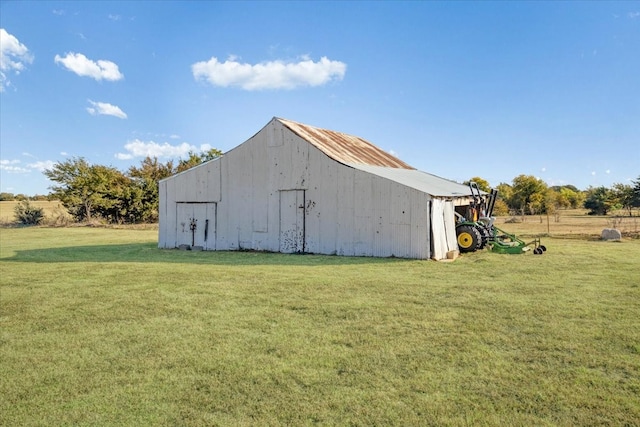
{"points": [[292, 232], [196, 225]]}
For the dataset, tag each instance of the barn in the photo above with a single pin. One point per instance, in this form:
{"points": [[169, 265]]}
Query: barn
{"points": [[295, 188]]}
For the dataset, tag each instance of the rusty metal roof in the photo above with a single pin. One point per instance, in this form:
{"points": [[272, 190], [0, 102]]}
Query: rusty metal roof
{"points": [[347, 149]]}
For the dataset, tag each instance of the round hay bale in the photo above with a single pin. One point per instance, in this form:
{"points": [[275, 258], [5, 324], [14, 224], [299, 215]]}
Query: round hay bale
{"points": [[611, 234]]}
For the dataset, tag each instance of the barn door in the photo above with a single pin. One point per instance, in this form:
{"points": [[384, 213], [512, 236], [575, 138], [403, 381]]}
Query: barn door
{"points": [[292, 221], [196, 225]]}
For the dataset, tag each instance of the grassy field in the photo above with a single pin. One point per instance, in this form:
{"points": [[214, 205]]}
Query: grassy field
{"points": [[54, 212], [99, 327]]}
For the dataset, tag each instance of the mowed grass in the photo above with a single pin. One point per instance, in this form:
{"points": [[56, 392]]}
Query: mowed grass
{"points": [[99, 327]]}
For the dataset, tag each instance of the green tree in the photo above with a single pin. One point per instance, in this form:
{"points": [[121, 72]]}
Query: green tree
{"points": [[636, 192], [118, 201], [146, 178], [572, 196], [86, 190], [89, 191], [599, 200], [27, 214], [562, 197], [504, 194], [483, 184], [528, 194], [6, 197], [624, 196], [500, 208], [195, 159]]}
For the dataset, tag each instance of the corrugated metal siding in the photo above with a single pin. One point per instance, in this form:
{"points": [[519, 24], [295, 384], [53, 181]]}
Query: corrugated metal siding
{"points": [[199, 184], [345, 148], [346, 212], [420, 225]]}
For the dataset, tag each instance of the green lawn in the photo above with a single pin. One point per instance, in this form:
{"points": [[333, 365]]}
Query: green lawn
{"points": [[99, 327]]}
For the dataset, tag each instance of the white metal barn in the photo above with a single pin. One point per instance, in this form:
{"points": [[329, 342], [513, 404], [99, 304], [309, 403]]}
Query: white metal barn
{"points": [[295, 188]]}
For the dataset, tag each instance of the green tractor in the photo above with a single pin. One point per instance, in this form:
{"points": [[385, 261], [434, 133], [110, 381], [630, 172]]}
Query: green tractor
{"points": [[475, 228]]}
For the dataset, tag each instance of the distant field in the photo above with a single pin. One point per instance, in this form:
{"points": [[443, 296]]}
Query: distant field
{"points": [[52, 210], [99, 327], [573, 223]]}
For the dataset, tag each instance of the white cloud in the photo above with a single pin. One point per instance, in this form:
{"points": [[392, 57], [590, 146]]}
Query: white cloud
{"points": [[15, 166], [41, 166], [137, 148], [269, 75], [103, 108], [13, 57], [12, 166], [114, 17], [633, 15], [83, 66]]}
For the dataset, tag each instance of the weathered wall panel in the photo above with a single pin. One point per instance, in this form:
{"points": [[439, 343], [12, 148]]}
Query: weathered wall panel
{"points": [[346, 212], [420, 225]]}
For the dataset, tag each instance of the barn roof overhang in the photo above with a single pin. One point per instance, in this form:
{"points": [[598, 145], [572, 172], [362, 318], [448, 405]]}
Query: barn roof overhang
{"points": [[419, 180]]}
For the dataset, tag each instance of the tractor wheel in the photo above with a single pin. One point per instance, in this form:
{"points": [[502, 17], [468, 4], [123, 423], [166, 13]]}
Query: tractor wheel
{"points": [[485, 234], [544, 248], [468, 238]]}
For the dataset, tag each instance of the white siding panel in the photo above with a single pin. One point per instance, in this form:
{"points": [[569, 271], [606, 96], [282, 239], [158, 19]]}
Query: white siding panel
{"points": [[327, 205], [294, 163], [363, 207], [399, 243], [240, 181], [200, 184], [163, 228], [399, 217], [346, 212], [292, 233], [381, 234], [420, 225], [260, 185], [196, 225], [321, 204], [226, 200], [167, 213]]}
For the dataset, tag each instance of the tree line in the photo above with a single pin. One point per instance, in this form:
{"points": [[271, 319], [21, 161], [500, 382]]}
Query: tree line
{"points": [[528, 195], [91, 192], [97, 192]]}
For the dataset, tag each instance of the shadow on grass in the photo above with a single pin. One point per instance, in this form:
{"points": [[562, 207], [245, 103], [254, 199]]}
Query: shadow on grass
{"points": [[149, 252]]}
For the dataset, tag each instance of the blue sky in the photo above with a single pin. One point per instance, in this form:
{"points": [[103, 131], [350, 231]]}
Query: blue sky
{"points": [[457, 89]]}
